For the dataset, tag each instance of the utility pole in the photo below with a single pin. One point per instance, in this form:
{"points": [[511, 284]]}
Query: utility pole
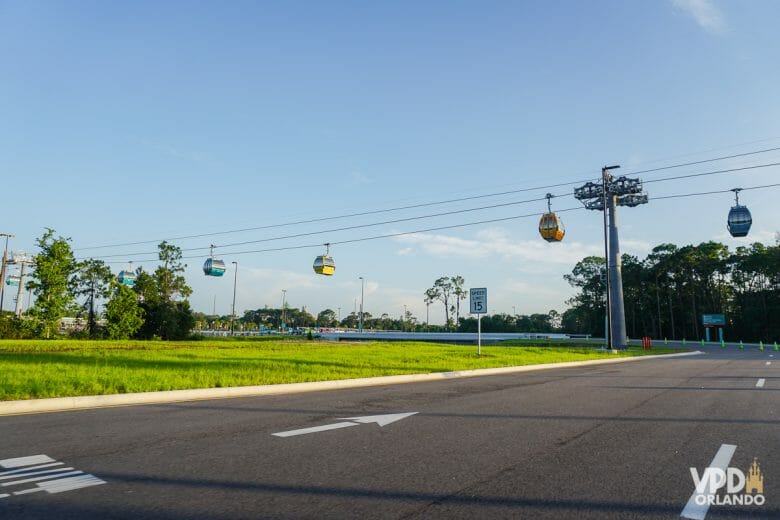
{"points": [[233, 314], [606, 196], [360, 327], [2, 269]]}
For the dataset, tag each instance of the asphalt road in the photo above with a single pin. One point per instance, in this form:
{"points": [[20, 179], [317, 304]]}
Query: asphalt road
{"points": [[610, 441]]}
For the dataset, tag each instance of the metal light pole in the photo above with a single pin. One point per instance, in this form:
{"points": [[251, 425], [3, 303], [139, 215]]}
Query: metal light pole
{"points": [[233, 315], [2, 269], [360, 326], [284, 305], [606, 196], [427, 314]]}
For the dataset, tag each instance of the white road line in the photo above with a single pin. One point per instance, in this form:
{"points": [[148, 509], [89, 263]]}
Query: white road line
{"points": [[28, 491], [315, 429], [760, 383], [47, 477], [4, 495], [25, 461], [32, 473], [64, 484], [69, 484], [23, 470], [721, 461]]}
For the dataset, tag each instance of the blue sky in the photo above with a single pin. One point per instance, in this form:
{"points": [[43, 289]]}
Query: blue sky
{"points": [[140, 121]]}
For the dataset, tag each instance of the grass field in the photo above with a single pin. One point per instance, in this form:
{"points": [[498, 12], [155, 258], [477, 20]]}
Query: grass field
{"points": [[36, 369]]}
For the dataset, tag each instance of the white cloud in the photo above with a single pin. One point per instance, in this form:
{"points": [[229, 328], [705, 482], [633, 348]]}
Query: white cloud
{"points": [[766, 237], [407, 251], [495, 242], [635, 247], [704, 12], [360, 179]]}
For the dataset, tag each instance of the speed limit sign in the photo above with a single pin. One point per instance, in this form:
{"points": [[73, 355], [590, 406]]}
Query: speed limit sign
{"points": [[478, 300]]}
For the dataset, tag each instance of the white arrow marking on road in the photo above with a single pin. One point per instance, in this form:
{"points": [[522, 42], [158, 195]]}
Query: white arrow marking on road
{"points": [[381, 420], [760, 383]]}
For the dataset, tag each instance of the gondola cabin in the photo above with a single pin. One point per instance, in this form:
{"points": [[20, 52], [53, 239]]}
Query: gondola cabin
{"points": [[324, 264], [739, 219], [213, 267], [550, 226], [126, 278]]}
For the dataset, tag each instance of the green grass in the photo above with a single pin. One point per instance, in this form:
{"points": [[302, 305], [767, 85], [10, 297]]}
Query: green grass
{"points": [[37, 369]]}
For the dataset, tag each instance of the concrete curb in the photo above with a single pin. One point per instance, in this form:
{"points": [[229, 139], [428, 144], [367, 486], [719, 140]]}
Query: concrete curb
{"points": [[62, 404]]}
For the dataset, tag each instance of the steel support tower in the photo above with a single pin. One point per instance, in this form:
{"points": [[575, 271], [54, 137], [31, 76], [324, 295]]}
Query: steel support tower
{"points": [[606, 196]]}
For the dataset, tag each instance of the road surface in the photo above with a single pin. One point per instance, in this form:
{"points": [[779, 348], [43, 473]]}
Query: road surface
{"points": [[610, 441]]}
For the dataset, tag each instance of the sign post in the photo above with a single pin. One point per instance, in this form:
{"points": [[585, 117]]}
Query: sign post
{"points": [[713, 320], [478, 306]]}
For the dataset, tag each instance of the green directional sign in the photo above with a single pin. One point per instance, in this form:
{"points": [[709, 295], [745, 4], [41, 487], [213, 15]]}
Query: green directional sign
{"points": [[713, 320]]}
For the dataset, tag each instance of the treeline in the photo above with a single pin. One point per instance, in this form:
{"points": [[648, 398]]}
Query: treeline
{"points": [[667, 292], [290, 318], [155, 307], [550, 322]]}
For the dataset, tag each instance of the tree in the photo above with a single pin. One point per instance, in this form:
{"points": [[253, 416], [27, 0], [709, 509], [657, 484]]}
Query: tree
{"points": [[124, 316], [409, 321], [667, 292], [431, 295], [588, 307], [170, 283], [350, 321], [442, 290], [326, 318], [163, 296], [460, 294], [52, 281], [146, 287], [93, 280]]}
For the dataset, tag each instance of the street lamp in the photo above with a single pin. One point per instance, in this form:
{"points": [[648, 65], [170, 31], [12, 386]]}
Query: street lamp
{"points": [[233, 315], [427, 314], [284, 306], [360, 326]]}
